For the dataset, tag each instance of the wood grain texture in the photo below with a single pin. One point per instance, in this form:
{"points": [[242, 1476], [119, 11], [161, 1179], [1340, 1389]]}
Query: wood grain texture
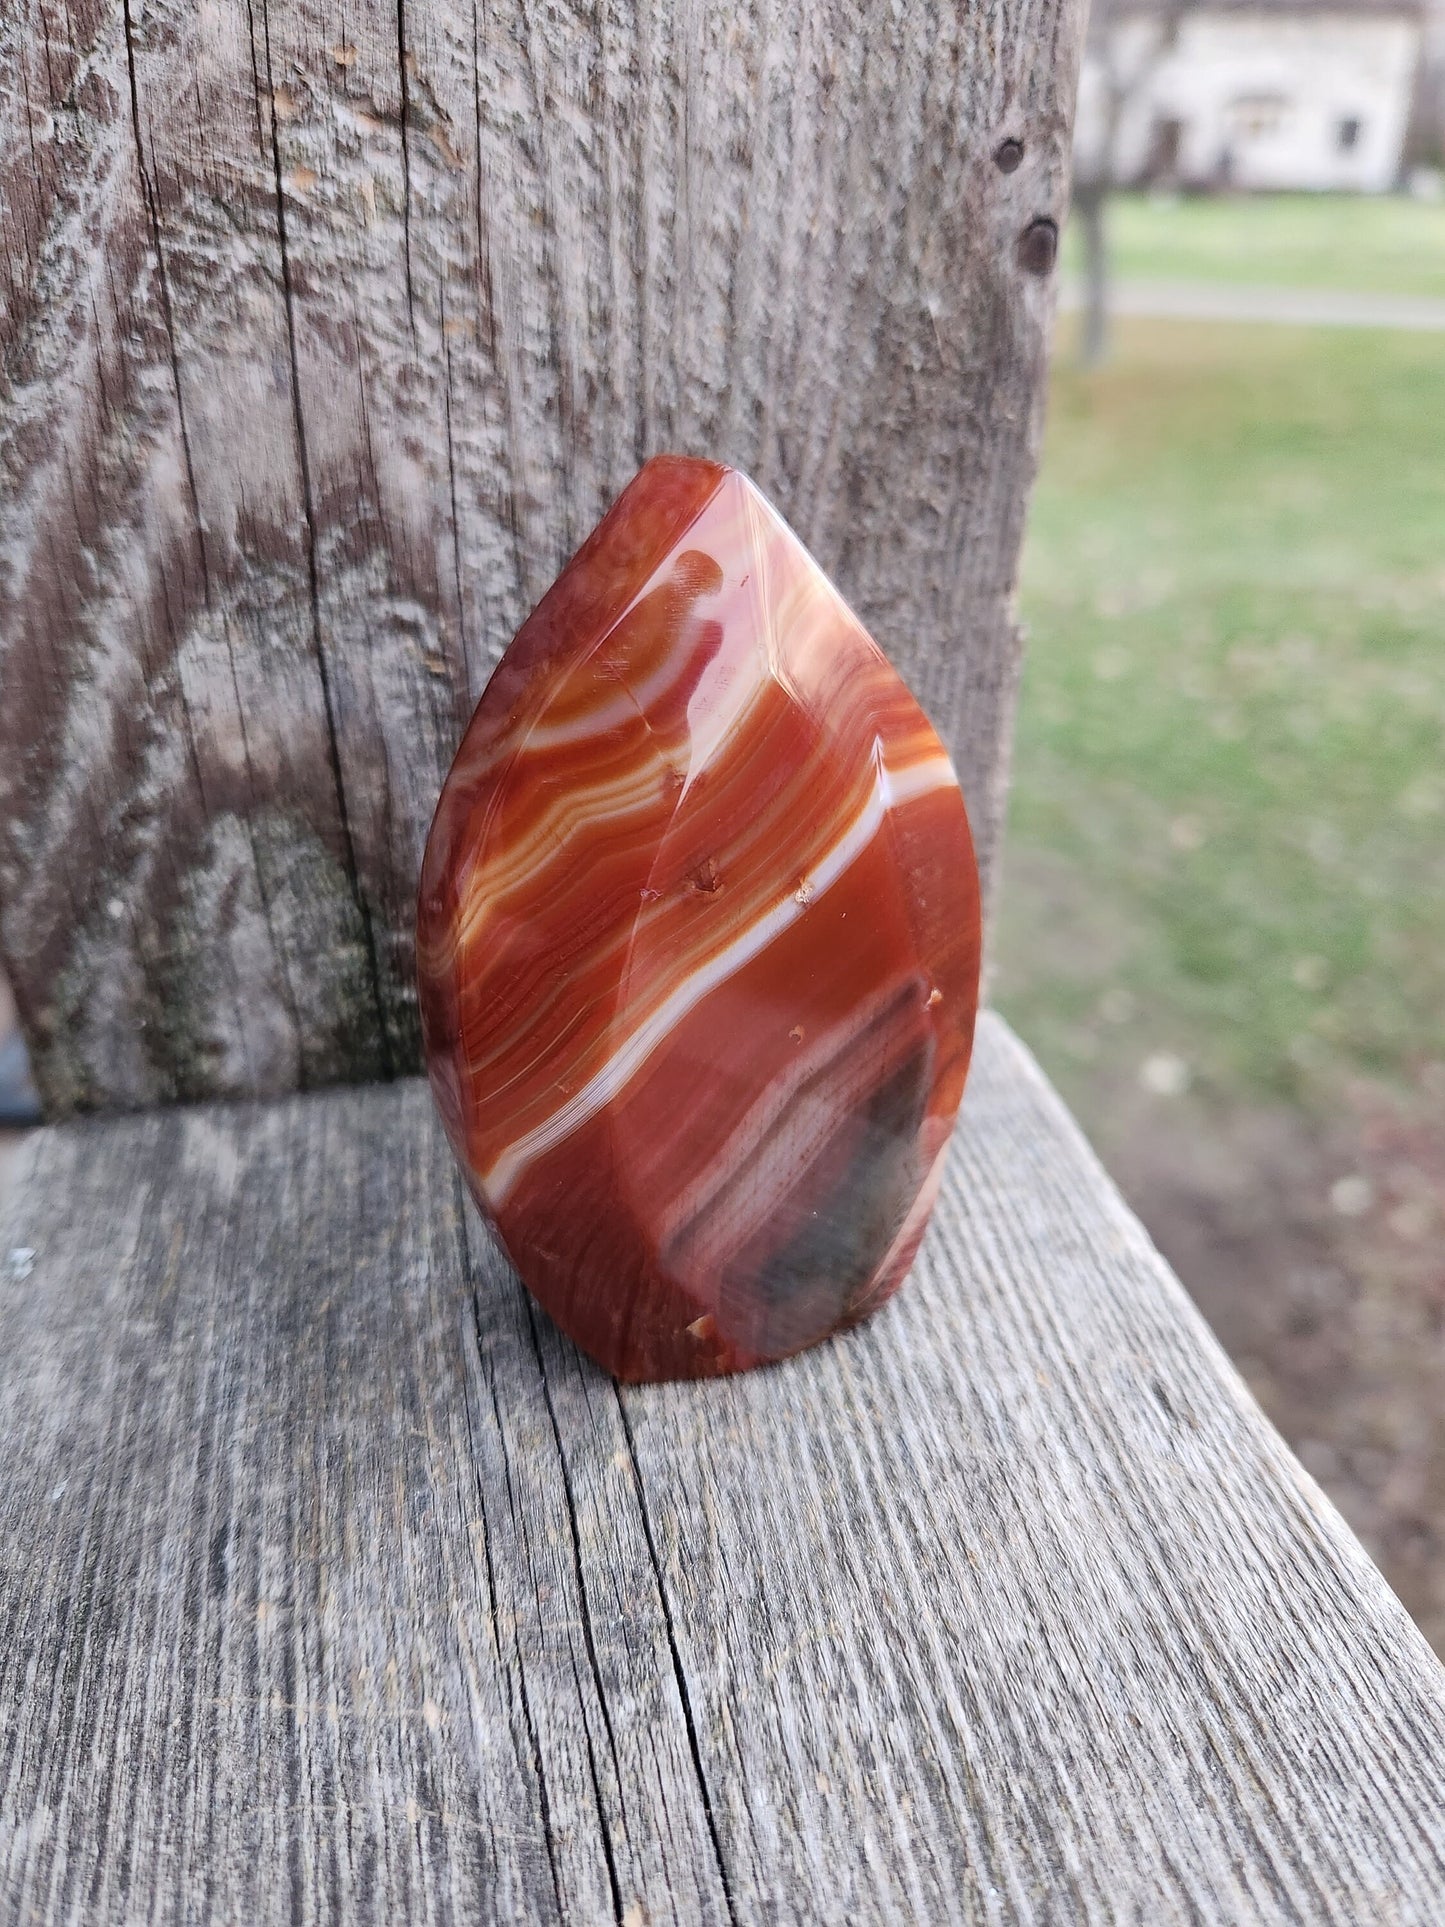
{"points": [[334, 1583], [328, 332]]}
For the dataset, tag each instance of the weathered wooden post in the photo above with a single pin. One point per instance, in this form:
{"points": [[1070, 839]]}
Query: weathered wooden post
{"points": [[324, 348], [333, 1582]]}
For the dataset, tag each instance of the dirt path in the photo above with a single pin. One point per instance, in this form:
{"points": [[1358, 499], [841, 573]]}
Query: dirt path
{"points": [[1295, 307]]}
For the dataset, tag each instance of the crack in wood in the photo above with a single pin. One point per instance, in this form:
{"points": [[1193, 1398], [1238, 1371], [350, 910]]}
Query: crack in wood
{"points": [[149, 194], [679, 1671], [363, 908], [599, 1684], [528, 1718], [404, 83]]}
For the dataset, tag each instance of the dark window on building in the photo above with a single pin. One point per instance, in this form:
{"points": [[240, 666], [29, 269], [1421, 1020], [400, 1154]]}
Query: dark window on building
{"points": [[1347, 134]]}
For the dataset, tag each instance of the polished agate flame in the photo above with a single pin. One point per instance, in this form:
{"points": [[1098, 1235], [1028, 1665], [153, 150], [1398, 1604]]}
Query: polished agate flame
{"points": [[698, 943]]}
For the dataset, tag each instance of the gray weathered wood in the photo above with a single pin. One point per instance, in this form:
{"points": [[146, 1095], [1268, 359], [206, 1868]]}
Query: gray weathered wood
{"points": [[334, 1584], [326, 334]]}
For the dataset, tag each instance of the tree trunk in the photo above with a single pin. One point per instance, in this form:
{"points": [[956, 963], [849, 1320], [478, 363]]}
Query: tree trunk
{"points": [[327, 337], [1089, 205]]}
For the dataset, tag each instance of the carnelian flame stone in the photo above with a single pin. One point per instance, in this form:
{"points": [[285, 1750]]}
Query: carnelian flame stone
{"points": [[698, 943]]}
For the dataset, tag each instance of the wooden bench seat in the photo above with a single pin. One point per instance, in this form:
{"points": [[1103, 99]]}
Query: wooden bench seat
{"points": [[338, 1585]]}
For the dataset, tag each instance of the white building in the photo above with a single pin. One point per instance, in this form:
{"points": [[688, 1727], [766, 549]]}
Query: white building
{"points": [[1274, 95]]}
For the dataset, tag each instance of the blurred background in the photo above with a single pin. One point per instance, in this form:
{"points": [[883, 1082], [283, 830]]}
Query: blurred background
{"points": [[1223, 911], [1222, 924]]}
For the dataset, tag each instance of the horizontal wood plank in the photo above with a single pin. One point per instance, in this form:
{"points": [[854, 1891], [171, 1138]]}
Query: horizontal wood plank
{"points": [[332, 1579]]}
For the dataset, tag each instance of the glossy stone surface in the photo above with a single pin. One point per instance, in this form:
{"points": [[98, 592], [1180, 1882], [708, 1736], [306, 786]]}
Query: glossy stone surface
{"points": [[698, 943]]}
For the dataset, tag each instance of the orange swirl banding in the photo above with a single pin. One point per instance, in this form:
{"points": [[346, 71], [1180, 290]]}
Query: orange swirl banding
{"points": [[698, 943]]}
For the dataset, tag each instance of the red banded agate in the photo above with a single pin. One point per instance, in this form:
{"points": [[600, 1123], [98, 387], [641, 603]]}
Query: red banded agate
{"points": [[698, 943]]}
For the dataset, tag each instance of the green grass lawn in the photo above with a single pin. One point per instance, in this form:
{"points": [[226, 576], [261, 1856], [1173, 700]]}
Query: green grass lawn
{"points": [[1388, 246], [1227, 840]]}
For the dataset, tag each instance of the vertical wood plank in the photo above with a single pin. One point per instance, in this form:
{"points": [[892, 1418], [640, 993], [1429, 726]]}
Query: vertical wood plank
{"points": [[330, 332]]}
